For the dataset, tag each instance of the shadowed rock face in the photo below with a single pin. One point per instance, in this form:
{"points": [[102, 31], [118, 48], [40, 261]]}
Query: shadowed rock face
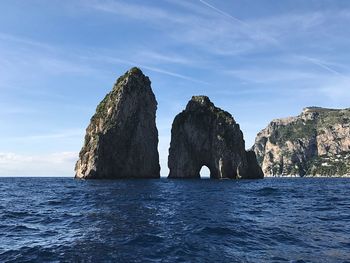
{"points": [[121, 140], [205, 135]]}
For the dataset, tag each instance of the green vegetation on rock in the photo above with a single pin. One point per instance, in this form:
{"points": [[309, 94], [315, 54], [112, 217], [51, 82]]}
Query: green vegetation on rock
{"points": [[294, 131], [316, 143], [329, 164]]}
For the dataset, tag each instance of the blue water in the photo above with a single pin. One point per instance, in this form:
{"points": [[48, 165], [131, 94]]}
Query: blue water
{"points": [[270, 220]]}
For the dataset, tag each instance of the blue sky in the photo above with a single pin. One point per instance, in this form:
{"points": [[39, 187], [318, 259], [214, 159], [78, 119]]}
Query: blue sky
{"points": [[259, 60]]}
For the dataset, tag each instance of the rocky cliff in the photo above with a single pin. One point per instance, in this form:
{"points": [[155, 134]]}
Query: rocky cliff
{"points": [[316, 143], [204, 135], [121, 140]]}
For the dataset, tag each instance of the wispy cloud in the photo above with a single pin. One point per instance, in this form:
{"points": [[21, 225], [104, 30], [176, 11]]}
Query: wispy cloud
{"points": [[204, 30], [162, 58], [25, 60], [24, 40], [53, 63], [173, 74], [322, 64], [113, 60], [250, 30], [272, 75], [336, 92], [135, 11], [280, 26], [11, 109], [235, 19], [55, 135]]}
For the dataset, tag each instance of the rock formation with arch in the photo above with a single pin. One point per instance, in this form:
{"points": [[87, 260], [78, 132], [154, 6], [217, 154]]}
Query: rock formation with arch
{"points": [[204, 135]]}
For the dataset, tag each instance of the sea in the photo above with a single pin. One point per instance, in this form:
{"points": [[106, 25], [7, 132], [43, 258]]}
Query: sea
{"points": [[269, 220]]}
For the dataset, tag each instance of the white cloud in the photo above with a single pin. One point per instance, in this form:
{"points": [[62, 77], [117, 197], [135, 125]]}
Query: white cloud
{"points": [[54, 164]]}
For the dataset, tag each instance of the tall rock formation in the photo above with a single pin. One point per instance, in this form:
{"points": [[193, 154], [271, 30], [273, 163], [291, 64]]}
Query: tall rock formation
{"points": [[121, 140], [316, 143], [204, 135]]}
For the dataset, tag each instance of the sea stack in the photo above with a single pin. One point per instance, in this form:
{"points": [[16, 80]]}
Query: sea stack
{"points": [[204, 135], [314, 143], [122, 138]]}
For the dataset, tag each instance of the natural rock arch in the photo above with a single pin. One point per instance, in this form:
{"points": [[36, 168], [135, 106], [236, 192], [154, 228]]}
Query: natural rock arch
{"points": [[204, 172], [204, 135]]}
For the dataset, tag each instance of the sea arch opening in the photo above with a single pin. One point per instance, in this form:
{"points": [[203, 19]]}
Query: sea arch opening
{"points": [[204, 172]]}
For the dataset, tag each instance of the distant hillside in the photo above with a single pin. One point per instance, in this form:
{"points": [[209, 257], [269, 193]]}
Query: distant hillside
{"points": [[316, 143]]}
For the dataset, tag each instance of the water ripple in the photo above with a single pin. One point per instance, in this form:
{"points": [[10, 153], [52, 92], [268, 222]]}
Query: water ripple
{"points": [[271, 220]]}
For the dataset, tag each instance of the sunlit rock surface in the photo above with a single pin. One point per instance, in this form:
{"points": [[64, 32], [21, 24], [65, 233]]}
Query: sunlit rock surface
{"points": [[315, 143]]}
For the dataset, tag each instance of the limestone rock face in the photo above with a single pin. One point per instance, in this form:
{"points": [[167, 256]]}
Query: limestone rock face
{"points": [[315, 143], [204, 135], [121, 140]]}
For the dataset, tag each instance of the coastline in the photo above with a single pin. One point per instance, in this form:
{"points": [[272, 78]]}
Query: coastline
{"points": [[308, 176]]}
